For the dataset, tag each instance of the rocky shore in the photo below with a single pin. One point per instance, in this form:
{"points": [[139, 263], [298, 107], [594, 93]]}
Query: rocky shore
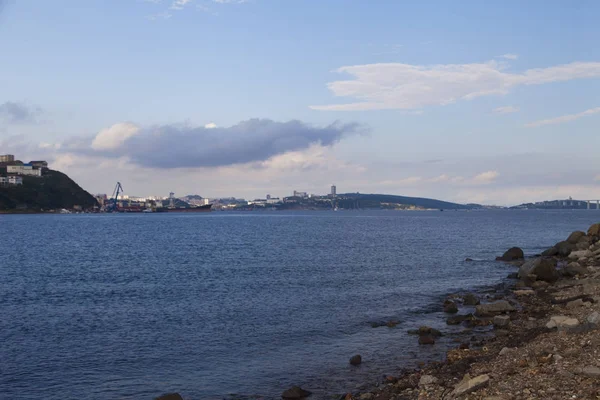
{"points": [[538, 338], [544, 341]]}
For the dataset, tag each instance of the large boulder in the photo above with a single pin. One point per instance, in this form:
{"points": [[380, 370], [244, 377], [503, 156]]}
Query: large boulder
{"points": [[551, 252], [295, 393], [486, 310], [543, 268], [564, 248], [470, 299], [512, 254], [575, 236], [594, 230], [450, 307]]}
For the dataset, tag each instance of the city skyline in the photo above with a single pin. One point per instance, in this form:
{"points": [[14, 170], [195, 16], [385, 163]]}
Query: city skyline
{"points": [[470, 103]]}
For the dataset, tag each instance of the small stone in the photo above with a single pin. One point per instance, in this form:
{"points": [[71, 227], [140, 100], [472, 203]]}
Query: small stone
{"points": [[501, 320], [426, 339], [575, 303], [591, 371], [557, 357], [295, 393], [450, 307], [493, 308], [594, 318], [427, 380], [366, 396], [468, 385], [355, 360], [505, 350], [470, 299], [561, 321]]}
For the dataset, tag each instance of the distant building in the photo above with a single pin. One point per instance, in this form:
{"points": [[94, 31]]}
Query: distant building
{"points": [[7, 158], [273, 200], [39, 164], [300, 194], [333, 191], [15, 180], [25, 169], [268, 197]]}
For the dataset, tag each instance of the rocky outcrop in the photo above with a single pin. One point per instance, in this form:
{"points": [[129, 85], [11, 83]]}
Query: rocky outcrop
{"points": [[512, 254], [543, 269], [295, 393], [574, 269], [551, 252], [487, 310]]}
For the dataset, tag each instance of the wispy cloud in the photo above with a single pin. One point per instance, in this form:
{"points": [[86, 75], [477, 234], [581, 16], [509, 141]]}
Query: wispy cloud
{"points": [[405, 86], [506, 110], [485, 178], [15, 113], [179, 4], [230, 1], [509, 56], [563, 119], [162, 15]]}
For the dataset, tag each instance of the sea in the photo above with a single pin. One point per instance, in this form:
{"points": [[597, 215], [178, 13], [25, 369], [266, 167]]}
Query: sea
{"points": [[227, 305]]}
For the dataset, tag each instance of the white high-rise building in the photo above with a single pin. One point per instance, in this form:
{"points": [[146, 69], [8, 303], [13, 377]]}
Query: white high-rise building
{"points": [[333, 191]]}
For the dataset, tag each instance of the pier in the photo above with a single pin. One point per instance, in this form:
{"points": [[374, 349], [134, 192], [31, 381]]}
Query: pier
{"points": [[589, 204]]}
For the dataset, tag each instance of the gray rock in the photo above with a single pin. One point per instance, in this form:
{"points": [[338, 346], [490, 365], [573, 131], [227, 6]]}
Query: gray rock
{"points": [[365, 396], [505, 350], [564, 248], [575, 236], [468, 385], [544, 269], [552, 251], [574, 269], [501, 321], [450, 307], [594, 230], [498, 307], [514, 253], [355, 360], [470, 299], [575, 303], [575, 255], [594, 318], [562, 321], [591, 371], [427, 380], [294, 393], [557, 357]]}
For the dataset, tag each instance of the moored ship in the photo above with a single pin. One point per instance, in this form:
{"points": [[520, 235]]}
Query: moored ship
{"points": [[204, 208]]}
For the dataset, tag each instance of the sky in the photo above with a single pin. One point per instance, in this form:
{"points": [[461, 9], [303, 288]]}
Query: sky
{"points": [[494, 102]]}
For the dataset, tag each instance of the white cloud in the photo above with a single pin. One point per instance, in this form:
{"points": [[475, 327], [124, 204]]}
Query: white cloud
{"points": [[229, 1], [441, 178], [411, 180], [406, 86], [115, 136], [210, 125], [506, 110], [485, 178], [162, 15], [564, 118], [509, 56], [179, 4]]}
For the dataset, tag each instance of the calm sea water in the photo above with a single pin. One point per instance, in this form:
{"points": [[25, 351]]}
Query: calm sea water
{"points": [[132, 306]]}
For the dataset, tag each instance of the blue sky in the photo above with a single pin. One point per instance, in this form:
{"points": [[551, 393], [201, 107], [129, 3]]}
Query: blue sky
{"points": [[494, 102]]}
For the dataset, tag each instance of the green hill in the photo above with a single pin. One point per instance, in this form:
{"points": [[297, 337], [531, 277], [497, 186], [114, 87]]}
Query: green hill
{"points": [[54, 190], [350, 200]]}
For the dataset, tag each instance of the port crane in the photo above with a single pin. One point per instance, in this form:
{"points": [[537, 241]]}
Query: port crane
{"points": [[114, 205]]}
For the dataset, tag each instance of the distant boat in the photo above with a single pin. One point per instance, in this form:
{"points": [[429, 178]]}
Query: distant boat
{"points": [[65, 211], [148, 210], [205, 208]]}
